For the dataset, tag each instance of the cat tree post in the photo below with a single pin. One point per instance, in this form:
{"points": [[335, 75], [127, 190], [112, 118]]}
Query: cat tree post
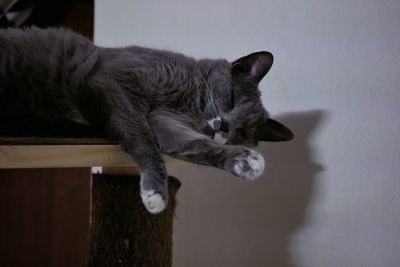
{"points": [[122, 231]]}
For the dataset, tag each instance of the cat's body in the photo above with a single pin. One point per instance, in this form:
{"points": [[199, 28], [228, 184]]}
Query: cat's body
{"points": [[55, 82]]}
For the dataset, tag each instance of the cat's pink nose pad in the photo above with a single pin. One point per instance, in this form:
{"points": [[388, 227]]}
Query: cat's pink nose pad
{"points": [[215, 123]]}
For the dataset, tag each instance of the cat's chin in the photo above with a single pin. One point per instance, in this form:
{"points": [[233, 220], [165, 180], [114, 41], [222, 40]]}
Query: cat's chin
{"points": [[247, 165]]}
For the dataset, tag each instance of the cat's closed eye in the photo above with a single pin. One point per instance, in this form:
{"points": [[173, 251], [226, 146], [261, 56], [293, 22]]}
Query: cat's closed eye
{"points": [[242, 133]]}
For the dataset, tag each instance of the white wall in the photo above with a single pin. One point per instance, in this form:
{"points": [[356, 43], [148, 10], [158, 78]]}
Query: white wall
{"points": [[330, 197]]}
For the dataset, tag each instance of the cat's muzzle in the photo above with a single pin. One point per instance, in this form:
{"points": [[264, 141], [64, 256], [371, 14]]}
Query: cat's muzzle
{"points": [[221, 137]]}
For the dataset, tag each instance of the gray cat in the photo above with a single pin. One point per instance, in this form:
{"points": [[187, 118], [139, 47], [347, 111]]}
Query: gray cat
{"points": [[54, 82]]}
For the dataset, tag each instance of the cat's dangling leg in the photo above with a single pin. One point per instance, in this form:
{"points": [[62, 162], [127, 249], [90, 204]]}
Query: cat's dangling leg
{"points": [[137, 139], [153, 176], [128, 125], [177, 136]]}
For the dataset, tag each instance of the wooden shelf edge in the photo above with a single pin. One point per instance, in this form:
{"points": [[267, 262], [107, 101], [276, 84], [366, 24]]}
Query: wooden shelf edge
{"points": [[66, 156]]}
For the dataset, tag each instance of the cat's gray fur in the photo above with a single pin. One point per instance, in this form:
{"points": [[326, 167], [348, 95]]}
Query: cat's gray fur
{"points": [[56, 82]]}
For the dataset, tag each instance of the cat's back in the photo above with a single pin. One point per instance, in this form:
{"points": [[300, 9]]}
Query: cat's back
{"points": [[28, 39], [31, 53], [40, 71], [22, 47], [37, 43]]}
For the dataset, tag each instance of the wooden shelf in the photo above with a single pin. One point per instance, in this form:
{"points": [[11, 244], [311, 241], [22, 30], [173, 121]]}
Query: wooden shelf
{"points": [[20, 153]]}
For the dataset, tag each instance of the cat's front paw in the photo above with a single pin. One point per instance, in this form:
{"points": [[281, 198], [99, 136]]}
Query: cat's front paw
{"points": [[153, 201], [248, 164], [154, 192]]}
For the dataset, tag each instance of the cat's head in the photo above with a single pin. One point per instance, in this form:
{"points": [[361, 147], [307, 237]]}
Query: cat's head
{"points": [[232, 101]]}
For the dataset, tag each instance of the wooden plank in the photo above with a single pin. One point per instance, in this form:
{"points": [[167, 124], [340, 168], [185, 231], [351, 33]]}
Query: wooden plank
{"points": [[59, 156], [131, 170]]}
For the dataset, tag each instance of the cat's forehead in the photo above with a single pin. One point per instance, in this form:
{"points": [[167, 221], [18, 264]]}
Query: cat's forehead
{"points": [[246, 92], [214, 68], [249, 111]]}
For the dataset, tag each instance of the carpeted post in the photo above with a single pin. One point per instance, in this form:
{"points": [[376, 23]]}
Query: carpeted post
{"points": [[122, 231]]}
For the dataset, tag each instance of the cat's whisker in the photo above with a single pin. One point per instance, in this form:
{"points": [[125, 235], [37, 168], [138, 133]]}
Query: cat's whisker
{"points": [[204, 87], [205, 91], [207, 84]]}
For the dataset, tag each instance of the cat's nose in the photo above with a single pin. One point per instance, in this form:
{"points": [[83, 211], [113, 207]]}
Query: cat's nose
{"points": [[215, 123]]}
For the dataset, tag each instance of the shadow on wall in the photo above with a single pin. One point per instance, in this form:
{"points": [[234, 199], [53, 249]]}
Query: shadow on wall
{"points": [[289, 185], [222, 221]]}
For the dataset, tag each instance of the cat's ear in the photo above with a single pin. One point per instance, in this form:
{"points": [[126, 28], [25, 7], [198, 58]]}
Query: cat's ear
{"points": [[252, 67], [273, 131]]}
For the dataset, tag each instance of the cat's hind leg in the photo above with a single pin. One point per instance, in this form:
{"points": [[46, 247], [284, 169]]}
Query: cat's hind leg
{"points": [[177, 136]]}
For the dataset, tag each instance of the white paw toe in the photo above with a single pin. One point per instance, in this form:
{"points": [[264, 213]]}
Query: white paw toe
{"points": [[250, 166], [153, 202]]}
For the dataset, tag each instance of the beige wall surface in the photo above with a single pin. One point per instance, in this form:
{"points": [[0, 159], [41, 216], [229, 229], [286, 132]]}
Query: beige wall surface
{"points": [[331, 196]]}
